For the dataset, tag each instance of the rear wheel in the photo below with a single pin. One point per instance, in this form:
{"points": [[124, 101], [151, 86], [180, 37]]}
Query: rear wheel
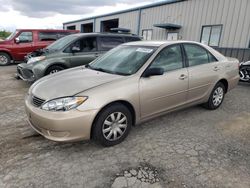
{"points": [[4, 59], [216, 97], [112, 125], [54, 69]]}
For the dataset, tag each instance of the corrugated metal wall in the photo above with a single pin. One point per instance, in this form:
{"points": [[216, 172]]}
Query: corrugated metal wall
{"points": [[126, 20], [234, 15]]}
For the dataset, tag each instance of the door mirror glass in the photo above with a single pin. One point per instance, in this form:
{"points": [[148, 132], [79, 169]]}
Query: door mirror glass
{"points": [[17, 40], [153, 72], [75, 49]]}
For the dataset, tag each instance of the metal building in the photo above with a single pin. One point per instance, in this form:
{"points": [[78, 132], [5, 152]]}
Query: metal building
{"points": [[223, 24]]}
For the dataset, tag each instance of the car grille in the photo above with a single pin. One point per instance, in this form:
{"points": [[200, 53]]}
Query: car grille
{"points": [[37, 101]]}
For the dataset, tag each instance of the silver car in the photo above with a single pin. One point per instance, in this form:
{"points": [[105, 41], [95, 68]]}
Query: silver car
{"points": [[132, 83]]}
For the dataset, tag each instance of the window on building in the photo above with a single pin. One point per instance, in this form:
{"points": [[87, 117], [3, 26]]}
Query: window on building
{"points": [[147, 34], [172, 36], [210, 35], [72, 27]]}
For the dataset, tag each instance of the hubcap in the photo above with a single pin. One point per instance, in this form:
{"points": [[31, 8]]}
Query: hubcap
{"points": [[3, 60], [114, 126], [218, 96]]}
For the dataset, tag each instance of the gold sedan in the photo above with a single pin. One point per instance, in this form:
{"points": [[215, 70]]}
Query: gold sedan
{"points": [[132, 83]]}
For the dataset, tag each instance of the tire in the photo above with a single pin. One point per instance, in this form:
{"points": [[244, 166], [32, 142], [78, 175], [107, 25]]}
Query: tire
{"points": [[107, 125], [216, 97], [54, 69], [4, 59]]}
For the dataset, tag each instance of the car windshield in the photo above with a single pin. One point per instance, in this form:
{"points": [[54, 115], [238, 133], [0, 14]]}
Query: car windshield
{"points": [[61, 43], [123, 60], [11, 35]]}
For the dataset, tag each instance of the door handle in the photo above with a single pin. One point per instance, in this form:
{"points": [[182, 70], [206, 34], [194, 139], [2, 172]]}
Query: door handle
{"points": [[183, 77], [216, 68]]}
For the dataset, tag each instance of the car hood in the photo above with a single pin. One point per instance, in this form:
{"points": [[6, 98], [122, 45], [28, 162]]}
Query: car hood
{"points": [[70, 83], [4, 42]]}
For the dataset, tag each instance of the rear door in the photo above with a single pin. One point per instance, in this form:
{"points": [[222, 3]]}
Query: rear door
{"points": [[88, 51], [167, 91], [203, 71]]}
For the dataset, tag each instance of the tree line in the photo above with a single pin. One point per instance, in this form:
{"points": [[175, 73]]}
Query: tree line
{"points": [[4, 34]]}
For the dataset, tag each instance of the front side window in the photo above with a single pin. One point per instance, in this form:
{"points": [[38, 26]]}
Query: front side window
{"points": [[123, 60], [107, 43], [86, 44], [197, 55], [169, 59], [210, 35], [25, 37], [147, 34]]}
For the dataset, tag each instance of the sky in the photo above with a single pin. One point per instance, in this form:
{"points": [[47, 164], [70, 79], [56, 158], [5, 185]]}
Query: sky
{"points": [[45, 14]]}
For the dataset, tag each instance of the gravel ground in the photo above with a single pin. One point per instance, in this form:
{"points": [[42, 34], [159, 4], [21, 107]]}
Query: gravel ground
{"points": [[189, 148]]}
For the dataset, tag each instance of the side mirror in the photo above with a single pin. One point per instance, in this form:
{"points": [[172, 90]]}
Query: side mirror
{"points": [[153, 72], [17, 40], [75, 49]]}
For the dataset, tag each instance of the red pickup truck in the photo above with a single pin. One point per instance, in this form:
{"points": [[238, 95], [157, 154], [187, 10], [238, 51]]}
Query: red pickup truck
{"points": [[24, 41]]}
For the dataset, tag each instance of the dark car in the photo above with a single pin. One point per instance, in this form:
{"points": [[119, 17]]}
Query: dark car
{"points": [[24, 41], [71, 51]]}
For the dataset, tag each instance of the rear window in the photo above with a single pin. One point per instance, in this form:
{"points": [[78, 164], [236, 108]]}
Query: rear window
{"points": [[52, 36], [107, 43]]}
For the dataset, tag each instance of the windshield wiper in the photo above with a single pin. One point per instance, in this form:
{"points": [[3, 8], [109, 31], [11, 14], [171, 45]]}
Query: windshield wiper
{"points": [[107, 71], [97, 69]]}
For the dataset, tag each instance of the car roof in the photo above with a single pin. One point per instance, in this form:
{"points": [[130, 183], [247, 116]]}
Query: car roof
{"points": [[106, 34], [159, 43], [49, 30]]}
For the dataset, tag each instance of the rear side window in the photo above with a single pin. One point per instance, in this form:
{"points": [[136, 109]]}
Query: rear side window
{"points": [[47, 36], [107, 43], [52, 36], [63, 34], [197, 55], [131, 39]]}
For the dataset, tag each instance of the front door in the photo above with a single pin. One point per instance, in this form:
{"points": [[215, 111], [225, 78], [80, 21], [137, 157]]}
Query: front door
{"points": [[167, 91], [24, 46]]}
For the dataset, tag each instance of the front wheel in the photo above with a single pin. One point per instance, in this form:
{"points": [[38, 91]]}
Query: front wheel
{"points": [[112, 125], [216, 97], [54, 69], [4, 59]]}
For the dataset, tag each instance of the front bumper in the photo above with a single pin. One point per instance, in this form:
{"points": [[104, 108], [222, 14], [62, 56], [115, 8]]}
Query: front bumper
{"points": [[72, 125], [25, 73]]}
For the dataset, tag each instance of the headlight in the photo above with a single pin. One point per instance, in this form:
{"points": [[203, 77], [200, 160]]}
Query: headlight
{"points": [[63, 104], [35, 59]]}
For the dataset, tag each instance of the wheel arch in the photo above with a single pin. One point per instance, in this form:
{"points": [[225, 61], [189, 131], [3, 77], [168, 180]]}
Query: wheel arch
{"points": [[55, 64], [225, 83], [123, 102], [4, 51]]}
